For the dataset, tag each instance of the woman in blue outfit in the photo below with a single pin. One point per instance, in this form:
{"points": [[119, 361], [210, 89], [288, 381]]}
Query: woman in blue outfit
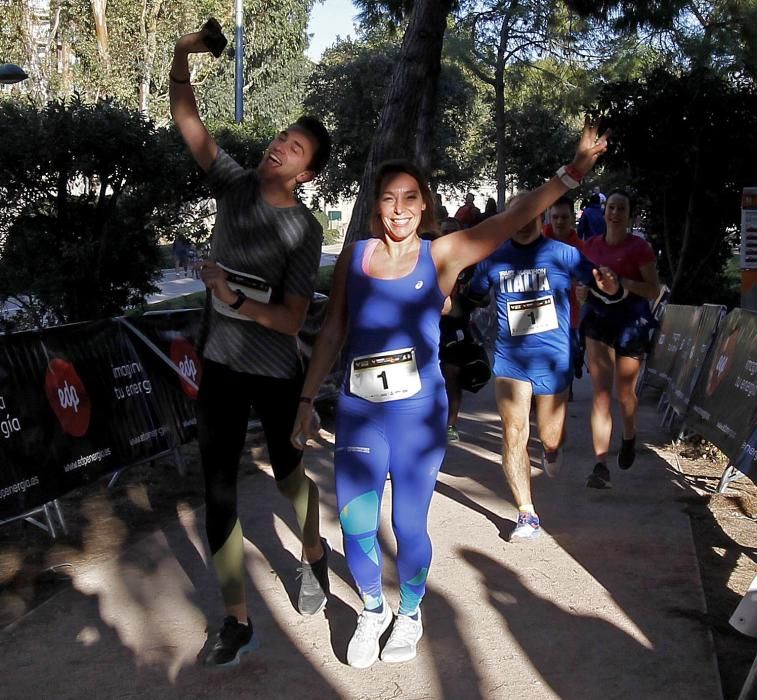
{"points": [[385, 303]]}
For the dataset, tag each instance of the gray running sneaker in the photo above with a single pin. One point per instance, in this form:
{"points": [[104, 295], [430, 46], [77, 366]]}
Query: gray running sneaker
{"points": [[314, 583]]}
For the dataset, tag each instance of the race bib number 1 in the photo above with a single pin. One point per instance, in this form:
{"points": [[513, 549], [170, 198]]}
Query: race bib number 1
{"points": [[252, 287], [532, 316], [386, 376]]}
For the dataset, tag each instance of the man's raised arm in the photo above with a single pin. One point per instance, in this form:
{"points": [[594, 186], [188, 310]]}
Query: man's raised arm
{"points": [[183, 105]]}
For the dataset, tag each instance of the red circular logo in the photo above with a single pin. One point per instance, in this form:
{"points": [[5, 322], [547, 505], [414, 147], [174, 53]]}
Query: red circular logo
{"points": [[185, 358], [67, 397], [725, 356]]}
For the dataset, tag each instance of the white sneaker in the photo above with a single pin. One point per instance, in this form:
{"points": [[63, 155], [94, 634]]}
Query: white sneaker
{"points": [[403, 640], [527, 527], [551, 462], [363, 649]]}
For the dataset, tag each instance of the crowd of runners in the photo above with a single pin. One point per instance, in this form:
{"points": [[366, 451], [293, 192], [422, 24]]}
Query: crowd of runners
{"points": [[398, 404]]}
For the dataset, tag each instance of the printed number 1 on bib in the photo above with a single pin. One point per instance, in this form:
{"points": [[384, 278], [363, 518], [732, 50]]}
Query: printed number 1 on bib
{"points": [[532, 316], [398, 378]]}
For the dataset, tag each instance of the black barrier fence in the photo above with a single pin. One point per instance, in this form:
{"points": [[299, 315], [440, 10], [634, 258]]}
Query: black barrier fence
{"points": [[723, 407], [84, 400], [77, 402], [670, 338], [706, 364], [692, 355]]}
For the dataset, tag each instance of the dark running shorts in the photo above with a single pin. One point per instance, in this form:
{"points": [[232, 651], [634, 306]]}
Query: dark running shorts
{"points": [[628, 337]]}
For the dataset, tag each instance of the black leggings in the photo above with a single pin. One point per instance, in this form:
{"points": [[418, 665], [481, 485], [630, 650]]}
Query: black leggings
{"points": [[223, 409]]}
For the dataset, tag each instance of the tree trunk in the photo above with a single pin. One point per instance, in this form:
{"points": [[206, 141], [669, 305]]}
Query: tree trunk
{"points": [[688, 224], [499, 104], [149, 34], [395, 135], [101, 29], [424, 134]]}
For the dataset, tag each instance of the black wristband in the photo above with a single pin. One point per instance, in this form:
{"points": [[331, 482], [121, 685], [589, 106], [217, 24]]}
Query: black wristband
{"points": [[305, 399], [177, 81], [241, 297]]}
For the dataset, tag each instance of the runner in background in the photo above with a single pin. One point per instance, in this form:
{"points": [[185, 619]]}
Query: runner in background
{"points": [[617, 338], [455, 336], [468, 214], [532, 278], [385, 304], [263, 263], [561, 227]]}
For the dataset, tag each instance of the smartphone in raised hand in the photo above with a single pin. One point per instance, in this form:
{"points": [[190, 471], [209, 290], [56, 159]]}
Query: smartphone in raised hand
{"points": [[212, 35]]}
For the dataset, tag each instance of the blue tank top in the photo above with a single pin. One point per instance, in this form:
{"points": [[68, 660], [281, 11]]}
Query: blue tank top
{"points": [[388, 315]]}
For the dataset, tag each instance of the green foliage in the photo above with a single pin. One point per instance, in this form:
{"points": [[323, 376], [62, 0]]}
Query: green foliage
{"points": [[347, 90], [630, 14], [537, 142], [275, 67], [130, 59], [325, 278], [330, 235], [87, 190], [11, 29], [684, 142], [196, 300], [139, 50]]}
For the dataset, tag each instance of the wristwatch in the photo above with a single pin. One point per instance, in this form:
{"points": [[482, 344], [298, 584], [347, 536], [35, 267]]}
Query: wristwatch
{"points": [[241, 296]]}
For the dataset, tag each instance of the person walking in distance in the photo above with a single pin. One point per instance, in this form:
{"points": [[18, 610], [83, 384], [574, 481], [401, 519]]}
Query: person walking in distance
{"points": [[468, 214], [261, 272]]}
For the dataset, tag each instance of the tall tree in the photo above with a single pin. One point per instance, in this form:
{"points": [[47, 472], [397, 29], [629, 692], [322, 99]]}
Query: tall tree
{"points": [[275, 66], [693, 119], [348, 88], [88, 190], [418, 63], [496, 35]]}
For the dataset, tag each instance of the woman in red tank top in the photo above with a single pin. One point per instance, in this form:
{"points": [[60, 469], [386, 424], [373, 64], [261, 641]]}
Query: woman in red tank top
{"points": [[616, 339]]}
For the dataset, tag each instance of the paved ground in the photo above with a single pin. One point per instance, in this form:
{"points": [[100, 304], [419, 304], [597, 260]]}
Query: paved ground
{"points": [[605, 605]]}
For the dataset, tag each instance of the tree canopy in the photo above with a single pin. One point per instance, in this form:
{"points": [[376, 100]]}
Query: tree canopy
{"points": [[88, 190]]}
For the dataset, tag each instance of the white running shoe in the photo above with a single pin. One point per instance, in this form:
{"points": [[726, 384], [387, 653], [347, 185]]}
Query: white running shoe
{"points": [[527, 528], [402, 642], [363, 649]]}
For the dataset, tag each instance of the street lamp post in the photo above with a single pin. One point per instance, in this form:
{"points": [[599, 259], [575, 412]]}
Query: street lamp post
{"points": [[238, 65], [11, 73]]}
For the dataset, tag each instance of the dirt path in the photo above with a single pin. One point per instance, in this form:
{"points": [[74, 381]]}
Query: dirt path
{"points": [[607, 604]]}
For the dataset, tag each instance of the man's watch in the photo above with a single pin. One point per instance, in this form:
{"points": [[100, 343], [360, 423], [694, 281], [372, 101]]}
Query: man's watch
{"points": [[241, 296]]}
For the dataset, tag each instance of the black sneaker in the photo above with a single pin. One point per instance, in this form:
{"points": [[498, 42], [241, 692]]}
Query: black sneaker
{"points": [[314, 583], [627, 453], [599, 478], [234, 639]]}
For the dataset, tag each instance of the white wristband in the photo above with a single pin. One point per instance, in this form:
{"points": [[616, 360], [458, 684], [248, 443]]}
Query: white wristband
{"points": [[567, 180]]}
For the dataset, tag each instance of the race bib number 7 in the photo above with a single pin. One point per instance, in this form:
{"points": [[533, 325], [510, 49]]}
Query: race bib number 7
{"points": [[252, 287], [532, 316], [386, 376]]}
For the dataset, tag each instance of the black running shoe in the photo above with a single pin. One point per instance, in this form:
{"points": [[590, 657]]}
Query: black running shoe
{"points": [[627, 453], [314, 585], [234, 639], [599, 478]]}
